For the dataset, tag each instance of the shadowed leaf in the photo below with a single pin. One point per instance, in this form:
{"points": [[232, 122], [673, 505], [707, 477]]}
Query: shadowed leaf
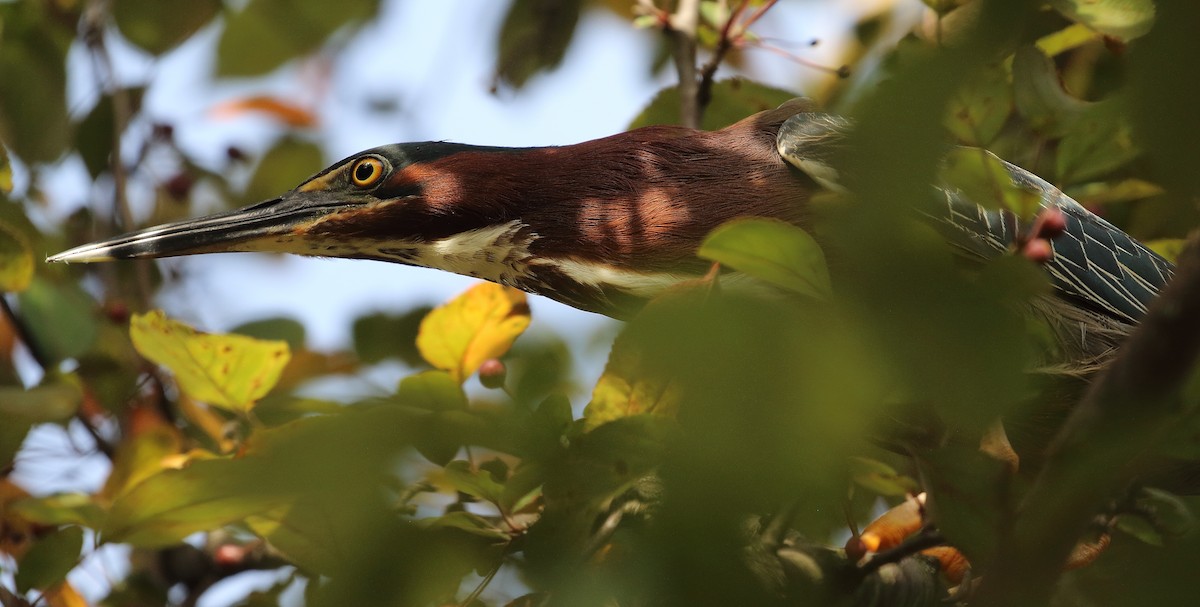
{"points": [[48, 561], [158, 26]]}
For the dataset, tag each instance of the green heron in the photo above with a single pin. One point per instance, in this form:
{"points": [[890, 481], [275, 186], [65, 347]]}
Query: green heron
{"points": [[604, 225]]}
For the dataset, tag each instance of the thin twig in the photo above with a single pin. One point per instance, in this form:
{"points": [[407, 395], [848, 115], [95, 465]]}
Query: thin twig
{"points": [[682, 27], [704, 93], [1124, 412]]}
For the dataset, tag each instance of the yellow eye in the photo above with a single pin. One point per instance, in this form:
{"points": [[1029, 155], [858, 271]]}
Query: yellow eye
{"points": [[366, 172]]}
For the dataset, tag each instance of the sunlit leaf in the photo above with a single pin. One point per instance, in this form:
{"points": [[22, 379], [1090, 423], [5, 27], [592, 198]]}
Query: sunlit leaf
{"points": [[984, 180], [1068, 38], [16, 260], [142, 455], [1124, 19], [228, 371], [158, 26], [623, 390], [978, 112], [481, 323], [64, 595], [50, 558], [771, 250]]}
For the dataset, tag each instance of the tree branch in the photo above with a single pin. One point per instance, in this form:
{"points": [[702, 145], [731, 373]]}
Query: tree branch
{"points": [[681, 27], [1125, 411]]}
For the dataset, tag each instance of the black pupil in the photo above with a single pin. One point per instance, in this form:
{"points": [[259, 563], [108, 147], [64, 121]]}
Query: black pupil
{"points": [[364, 171]]}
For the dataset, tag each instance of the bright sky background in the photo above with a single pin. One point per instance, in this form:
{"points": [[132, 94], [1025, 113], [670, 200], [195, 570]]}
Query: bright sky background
{"points": [[434, 60]]}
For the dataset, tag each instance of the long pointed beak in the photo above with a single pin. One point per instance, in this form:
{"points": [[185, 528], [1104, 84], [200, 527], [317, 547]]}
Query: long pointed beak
{"points": [[260, 227]]}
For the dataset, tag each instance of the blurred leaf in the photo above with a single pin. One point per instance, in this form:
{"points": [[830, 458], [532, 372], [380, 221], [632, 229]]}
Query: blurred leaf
{"points": [[432, 391], [1039, 95], [60, 316], [6, 176], [732, 100], [466, 521], [1141, 529], [33, 106], [984, 180], [228, 371], [158, 26], [1169, 248], [49, 402], [771, 250], [287, 330], [623, 391], [978, 112], [94, 135], [1170, 513], [881, 478], [141, 456], [380, 336], [1123, 19], [309, 532], [1099, 142], [1104, 193], [64, 595], [16, 260], [281, 110], [173, 504], [477, 483], [282, 168], [481, 323], [267, 33], [49, 560], [61, 509], [534, 38]]}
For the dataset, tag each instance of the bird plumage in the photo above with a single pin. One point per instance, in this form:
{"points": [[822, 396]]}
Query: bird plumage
{"points": [[605, 224]]}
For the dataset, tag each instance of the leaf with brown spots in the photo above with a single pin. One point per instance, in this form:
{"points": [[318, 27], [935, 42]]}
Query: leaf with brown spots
{"points": [[227, 371], [481, 323]]}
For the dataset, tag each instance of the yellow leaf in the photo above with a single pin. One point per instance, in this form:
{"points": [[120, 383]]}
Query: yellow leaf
{"points": [[627, 387], [481, 323], [227, 371], [16, 260]]}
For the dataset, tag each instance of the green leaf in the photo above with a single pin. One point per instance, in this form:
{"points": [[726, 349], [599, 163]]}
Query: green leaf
{"points": [[267, 33], [980, 109], [481, 323], [287, 330], [534, 38], [432, 391], [1039, 95], [1169, 248], [16, 260], [983, 179], [380, 336], [227, 371], [158, 26], [61, 509], [6, 176], [1122, 19], [48, 561], [477, 483], [1099, 142], [61, 317], [771, 250], [288, 163], [206, 495], [33, 105], [466, 521], [94, 135], [732, 100], [881, 478], [49, 402]]}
